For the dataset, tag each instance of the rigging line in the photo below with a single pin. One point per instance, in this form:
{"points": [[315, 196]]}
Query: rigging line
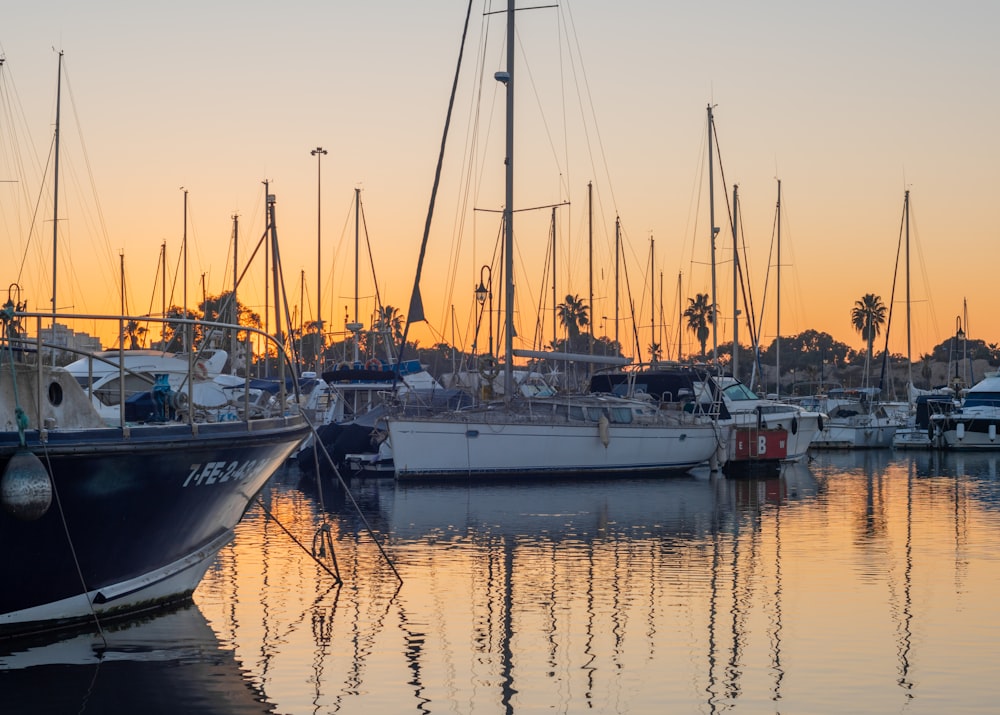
{"points": [[892, 302], [90, 174], [371, 255], [270, 515], [415, 295], [468, 162], [538, 101], [767, 274], [593, 111], [156, 280], [462, 197], [72, 548], [34, 218], [745, 286]]}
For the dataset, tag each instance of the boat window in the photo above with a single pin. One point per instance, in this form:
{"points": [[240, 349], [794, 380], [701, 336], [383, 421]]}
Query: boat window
{"points": [[738, 392], [982, 399], [593, 414], [576, 412], [621, 415], [108, 393]]}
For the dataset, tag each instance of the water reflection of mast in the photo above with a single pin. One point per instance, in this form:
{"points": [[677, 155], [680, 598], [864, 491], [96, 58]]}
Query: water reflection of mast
{"points": [[779, 672], [905, 633], [713, 608]]}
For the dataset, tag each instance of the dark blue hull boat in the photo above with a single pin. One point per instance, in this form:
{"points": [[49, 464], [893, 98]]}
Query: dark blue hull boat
{"points": [[100, 522]]}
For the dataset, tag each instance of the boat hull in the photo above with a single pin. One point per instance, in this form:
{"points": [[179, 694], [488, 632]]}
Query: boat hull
{"points": [[459, 448], [961, 433], [875, 434], [136, 517]]}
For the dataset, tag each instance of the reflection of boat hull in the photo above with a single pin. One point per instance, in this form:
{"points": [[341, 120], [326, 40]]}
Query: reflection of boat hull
{"points": [[175, 658], [135, 520], [578, 510]]}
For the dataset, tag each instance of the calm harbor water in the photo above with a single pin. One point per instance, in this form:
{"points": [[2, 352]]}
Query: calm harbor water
{"points": [[859, 582]]}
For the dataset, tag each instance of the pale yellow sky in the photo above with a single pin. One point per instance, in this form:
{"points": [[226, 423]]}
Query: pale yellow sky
{"points": [[848, 104]]}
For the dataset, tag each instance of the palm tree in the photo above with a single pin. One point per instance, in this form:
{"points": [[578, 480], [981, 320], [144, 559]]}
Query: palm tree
{"points": [[655, 352], [699, 314], [389, 318], [573, 314], [134, 332], [868, 317]]}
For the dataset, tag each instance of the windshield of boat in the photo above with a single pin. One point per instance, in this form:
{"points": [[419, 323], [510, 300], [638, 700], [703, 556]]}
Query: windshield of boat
{"points": [[737, 392], [982, 399]]}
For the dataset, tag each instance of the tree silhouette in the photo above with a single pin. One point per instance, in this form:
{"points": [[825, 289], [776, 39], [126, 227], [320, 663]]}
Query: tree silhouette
{"points": [[868, 317], [573, 314], [699, 315]]}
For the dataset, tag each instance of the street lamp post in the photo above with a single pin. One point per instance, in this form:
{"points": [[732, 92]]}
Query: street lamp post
{"points": [[485, 290], [319, 152]]}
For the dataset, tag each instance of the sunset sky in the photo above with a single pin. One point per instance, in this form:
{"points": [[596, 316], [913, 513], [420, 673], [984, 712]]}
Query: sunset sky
{"points": [[848, 104]]}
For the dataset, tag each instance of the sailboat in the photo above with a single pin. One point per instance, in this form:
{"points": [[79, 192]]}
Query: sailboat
{"points": [[561, 434], [100, 522]]}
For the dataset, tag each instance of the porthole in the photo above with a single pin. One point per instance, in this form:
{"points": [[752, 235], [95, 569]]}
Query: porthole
{"points": [[55, 394]]}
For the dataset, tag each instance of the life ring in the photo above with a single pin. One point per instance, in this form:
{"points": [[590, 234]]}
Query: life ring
{"points": [[373, 364], [200, 370], [489, 367]]}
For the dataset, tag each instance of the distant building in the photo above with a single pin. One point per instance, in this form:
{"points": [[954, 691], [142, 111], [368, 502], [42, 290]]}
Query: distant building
{"points": [[72, 343]]}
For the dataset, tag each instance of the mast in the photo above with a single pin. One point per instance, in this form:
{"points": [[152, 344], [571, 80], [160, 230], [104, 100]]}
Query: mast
{"points": [[319, 152], [618, 238], [777, 337], [736, 271], [652, 296], [184, 243], [355, 327], [680, 316], [55, 196], [357, 218], [555, 310], [508, 213], [715, 232], [163, 294], [236, 281], [909, 354], [590, 265], [121, 279], [663, 322]]}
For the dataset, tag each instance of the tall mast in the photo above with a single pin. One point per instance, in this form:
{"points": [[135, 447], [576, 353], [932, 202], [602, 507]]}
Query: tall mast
{"points": [[590, 265], [163, 295], [777, 337], [184, 243], [652, 294], [319, 152], [715, 232], [618, 229], [680, 316], [55, 194], [736, 271], [236, 281], [508, 214], [357, 231], [663, 322], [909, 355], [356, 325], [555, 309]]}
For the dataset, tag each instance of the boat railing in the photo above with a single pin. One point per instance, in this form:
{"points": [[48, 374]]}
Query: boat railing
{"points": [[17, 344]]}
